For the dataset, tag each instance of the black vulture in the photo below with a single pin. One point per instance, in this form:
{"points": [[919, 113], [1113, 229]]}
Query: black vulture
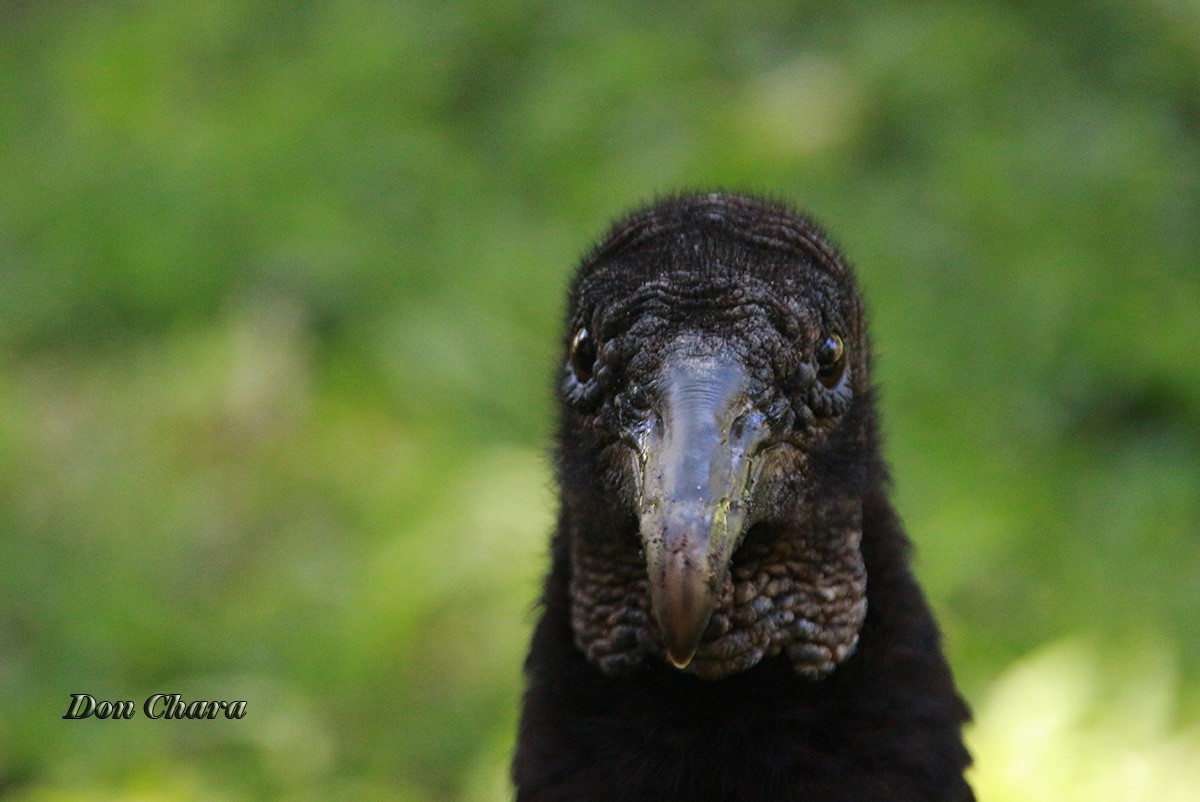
{"points": [[730, 613]]}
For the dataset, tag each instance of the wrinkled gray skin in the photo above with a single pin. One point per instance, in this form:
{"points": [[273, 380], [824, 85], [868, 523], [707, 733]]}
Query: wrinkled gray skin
{"points": [[720, 454]]}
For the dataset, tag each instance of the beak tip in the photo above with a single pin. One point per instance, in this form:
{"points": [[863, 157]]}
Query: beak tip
{"points": [[681, 658], [682, 621]]}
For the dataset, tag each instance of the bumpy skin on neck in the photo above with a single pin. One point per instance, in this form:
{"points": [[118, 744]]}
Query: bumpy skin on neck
{"points": [[819, 675], [800, 592]]}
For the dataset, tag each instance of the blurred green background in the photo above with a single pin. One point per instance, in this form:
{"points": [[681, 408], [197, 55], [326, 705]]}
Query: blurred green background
{"points": [[280, 286]]}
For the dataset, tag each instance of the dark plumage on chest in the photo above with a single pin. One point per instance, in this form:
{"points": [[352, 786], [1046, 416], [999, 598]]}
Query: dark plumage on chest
{"points": [[729, 613]]}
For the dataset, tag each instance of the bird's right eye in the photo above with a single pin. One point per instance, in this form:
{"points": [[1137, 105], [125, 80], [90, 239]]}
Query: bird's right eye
{"points": [[583, 356]]}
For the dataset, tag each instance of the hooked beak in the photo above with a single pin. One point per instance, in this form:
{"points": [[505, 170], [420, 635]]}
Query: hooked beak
{"points": [[696, 489]]}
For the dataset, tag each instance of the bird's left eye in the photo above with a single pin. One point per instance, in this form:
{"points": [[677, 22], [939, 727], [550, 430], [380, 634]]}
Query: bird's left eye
{"points": [[831, 360], [583, 355]]}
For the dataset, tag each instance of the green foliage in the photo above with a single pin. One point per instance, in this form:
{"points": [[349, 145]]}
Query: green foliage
{"points": [[280, 286]]}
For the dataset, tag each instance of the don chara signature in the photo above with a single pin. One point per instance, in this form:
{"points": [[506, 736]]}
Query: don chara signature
{"points": [[157, 706]]}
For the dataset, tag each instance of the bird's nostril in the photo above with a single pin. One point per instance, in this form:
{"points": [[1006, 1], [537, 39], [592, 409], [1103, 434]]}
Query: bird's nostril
{"points": [[738, 428]]}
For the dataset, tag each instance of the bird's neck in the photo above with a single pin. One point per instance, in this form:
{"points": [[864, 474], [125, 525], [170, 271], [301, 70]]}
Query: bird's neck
{"points": [[796, 588]]}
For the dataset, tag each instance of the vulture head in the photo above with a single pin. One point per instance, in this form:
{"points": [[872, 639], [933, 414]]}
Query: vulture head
{"points": [[715, 438]]}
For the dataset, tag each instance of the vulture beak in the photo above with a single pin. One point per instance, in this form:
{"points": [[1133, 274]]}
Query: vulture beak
{"points": [[697, 478]]}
